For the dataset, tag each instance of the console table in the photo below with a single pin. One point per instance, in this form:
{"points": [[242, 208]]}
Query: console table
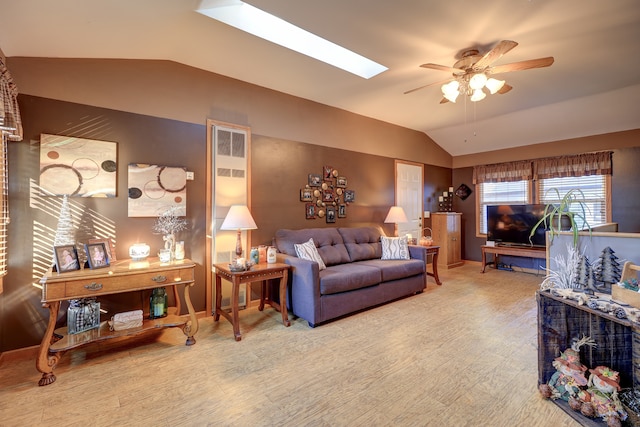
{"points": [[529, 252], [257, 273], [120, 277]]}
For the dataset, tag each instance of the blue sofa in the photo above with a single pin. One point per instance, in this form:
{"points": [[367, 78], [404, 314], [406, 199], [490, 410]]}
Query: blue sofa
{"points": [[356, 277]]}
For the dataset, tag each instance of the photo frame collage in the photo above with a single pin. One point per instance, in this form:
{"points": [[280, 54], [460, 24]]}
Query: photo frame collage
{"points": [[326, 195]]}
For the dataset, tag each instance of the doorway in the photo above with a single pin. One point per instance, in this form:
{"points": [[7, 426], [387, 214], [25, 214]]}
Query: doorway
{"points": [[409, 195]]}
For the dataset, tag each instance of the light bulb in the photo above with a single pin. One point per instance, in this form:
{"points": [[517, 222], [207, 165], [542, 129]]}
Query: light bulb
{"points": [[494, 85], [478, 95], [478, 81]]}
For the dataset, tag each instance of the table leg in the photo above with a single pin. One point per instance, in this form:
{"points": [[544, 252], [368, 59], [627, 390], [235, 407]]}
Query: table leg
{"points": [[484, 260], [263, 291], [46, 361], [283, 298], [191, 327], [435, 269], [234, 308], [217, 309]]}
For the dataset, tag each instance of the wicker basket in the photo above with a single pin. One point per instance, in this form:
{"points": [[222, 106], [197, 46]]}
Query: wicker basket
{"points": [[621, 294], [426, 240]]}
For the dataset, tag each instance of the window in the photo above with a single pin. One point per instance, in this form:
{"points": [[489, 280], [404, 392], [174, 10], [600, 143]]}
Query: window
{"points": [[499, 193], [595, 189]]}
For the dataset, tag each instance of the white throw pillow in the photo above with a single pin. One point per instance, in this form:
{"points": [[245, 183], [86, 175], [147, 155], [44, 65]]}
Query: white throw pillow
{"points": [[308, 251], [394, 247]]}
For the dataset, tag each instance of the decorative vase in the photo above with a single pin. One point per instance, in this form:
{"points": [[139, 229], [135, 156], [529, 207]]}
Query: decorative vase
{"points": [[170, 242], [179, 250], [271, 255], [158, 303]]}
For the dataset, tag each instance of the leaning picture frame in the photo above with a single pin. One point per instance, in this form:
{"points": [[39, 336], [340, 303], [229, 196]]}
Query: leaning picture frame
{"points": [[96, 255], [109, 245], [66, 258]]}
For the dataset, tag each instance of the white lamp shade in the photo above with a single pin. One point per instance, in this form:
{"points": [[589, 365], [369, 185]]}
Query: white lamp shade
{"points": [[478, 81], [494, 85], [451, 90], [238, 218], [478, 95], [396, 215]]}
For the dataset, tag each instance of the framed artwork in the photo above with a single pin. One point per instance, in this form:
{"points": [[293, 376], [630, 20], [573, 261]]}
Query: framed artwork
{"points": [[96, 255], [66, 258], [306, 195], [349, 196], [463, 191], [314, 180], [310, 211], [153, 189], [327, 172], [77, 167], [342, 210], [327, 196], [331, 214], [109, 246], [341, 181]]}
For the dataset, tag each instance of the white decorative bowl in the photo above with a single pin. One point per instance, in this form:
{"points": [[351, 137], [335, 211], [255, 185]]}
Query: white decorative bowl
{"points": [[139, 251]]}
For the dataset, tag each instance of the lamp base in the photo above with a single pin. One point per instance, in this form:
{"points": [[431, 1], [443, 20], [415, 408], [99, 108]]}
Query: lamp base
{"points": [[239, 245]]}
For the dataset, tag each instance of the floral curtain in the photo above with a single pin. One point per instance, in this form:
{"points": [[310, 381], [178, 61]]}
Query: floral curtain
{"points": [[503, 172], [578, 165]]}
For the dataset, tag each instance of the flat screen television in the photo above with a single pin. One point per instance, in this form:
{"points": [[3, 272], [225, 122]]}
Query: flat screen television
{"points": [[511, 225]]}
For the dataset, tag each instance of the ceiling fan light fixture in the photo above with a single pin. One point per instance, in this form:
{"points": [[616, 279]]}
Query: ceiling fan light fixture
{"points": [[477, 81], [478, 95], [451, 90], [494, 85]]}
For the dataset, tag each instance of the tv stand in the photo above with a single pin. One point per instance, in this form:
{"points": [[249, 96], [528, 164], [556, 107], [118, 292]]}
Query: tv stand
{"points": [[523, 251]]}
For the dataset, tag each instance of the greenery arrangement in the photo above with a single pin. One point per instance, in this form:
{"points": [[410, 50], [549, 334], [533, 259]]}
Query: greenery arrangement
{"points": [[572, 208]]}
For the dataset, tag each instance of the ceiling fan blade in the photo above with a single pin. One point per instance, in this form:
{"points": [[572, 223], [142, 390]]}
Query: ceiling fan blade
{"points": [[494, 54], [522, 65], [430, 84], [444, 101], [443, 68], [504, 89]]}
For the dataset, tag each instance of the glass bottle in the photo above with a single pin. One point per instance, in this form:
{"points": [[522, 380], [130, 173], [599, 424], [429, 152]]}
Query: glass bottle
{"points": [[158, 303], [254, 255]]}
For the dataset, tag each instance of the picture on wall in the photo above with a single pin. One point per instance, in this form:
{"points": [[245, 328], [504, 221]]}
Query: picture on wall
{"points": [[77, 167], [153, 189]]}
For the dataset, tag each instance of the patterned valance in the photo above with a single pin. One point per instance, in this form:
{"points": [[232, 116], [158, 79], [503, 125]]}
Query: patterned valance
{"points": [[578, 165], [503, 172], [10, 121]]}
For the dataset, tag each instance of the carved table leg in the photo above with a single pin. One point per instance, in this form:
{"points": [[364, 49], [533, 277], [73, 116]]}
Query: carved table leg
{"points": [[435, 268], [191, 326], [46, 361], [217, 309], [234, 308], [283, 298]]}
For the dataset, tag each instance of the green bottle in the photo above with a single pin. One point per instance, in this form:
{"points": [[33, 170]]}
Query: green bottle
{"points": [[158, 303]]}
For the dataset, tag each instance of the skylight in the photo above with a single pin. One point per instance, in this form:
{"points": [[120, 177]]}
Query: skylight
{"points": [[269, 27]]}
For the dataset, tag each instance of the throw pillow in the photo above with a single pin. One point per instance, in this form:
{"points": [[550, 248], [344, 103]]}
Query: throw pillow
{"points": [[308, 251], [394, 247]]}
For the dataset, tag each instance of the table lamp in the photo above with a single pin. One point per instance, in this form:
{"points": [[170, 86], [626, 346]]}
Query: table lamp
{"points": [[238, 218], [396, 214]]}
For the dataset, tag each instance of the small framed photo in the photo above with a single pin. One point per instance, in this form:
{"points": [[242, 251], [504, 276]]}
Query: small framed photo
{"points": [[310, 210], [327, 171], [96, 255], [315, 180], [327, 196], [341, 181], [331, 214], [342, 210], [306, 195], [66, 258], [349, 196], [109, 245]]}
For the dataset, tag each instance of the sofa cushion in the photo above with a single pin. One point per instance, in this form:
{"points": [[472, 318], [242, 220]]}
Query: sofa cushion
{"points": [[328, 241], [348, 277], [308, 251], [396, 269], [362, 242], [394, 247]]}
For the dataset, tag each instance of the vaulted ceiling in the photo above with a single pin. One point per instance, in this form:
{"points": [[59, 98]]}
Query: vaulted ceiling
{"points": [[592, 88]]}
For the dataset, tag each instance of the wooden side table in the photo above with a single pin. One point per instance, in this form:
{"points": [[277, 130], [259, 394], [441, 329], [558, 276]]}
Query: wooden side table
{"points": [[434, 250], [120, 277], [258, 272]]}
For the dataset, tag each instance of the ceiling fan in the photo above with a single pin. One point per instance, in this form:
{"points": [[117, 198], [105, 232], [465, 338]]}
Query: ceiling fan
{"points": [[472, 73]]}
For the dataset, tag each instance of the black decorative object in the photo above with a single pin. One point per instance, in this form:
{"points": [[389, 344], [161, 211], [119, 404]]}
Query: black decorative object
{"points": [[463, 191]]}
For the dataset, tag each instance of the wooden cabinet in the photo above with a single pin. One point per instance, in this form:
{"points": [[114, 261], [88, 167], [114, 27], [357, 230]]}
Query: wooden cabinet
{"points": [[446, 227]]}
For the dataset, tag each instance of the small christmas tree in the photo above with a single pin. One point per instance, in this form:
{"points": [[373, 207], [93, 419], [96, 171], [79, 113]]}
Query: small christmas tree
{"points": [[608, 268]]}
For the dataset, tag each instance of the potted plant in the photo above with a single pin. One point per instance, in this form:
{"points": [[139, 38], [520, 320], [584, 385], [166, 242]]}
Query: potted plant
{"points": [[565, 215]]}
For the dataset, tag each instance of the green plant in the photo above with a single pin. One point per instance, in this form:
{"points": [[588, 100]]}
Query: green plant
{"points": [[572, 207]]}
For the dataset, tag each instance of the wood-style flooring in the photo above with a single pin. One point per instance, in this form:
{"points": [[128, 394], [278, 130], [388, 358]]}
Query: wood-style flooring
{"points": [[461, 354]]}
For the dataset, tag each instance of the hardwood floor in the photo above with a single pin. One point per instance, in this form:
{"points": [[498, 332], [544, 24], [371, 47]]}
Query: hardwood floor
{"points": [[461, 354]]}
